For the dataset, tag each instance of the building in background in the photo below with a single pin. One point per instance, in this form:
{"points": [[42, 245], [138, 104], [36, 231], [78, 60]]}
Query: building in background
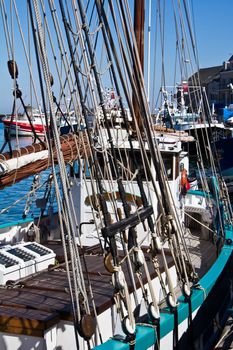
{"points": [[218, 83]]}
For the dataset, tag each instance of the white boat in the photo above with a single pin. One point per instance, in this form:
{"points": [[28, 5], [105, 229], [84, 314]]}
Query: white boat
{"points": [[33, 121], [22, 124]]}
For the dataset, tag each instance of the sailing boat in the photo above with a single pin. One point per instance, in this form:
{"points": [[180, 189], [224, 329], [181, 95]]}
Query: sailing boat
{"points": [[130, 237]]}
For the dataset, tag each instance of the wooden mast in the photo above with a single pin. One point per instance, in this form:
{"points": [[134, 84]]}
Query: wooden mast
{"points": [[139, 19]]}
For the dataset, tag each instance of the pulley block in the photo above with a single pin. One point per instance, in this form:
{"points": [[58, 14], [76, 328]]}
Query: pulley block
{"points": [[13, 69], [51, 79], [17, 93], [186, 290], [118, 280], [172, 303], [138, 258], [87, 326], [127, 327], [108, 264], [153, 313]]}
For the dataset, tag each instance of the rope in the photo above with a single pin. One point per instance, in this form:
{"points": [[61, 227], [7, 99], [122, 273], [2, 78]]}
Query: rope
{"points": [[79, 285]]}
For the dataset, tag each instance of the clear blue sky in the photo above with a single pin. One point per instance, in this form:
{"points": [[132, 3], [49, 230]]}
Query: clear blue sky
{"points": [[213, 22], [214, 31]]}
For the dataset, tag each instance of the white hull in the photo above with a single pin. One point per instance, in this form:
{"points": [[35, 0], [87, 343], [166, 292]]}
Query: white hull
{"points": [[16, 130]]}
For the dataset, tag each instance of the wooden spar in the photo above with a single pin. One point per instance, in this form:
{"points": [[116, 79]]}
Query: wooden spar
{"points": [[36, 147], [73, 147], [139, 19]]}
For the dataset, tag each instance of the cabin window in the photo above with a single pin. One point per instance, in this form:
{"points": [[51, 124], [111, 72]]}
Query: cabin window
{"points": [[177, 167], [168, 164]]}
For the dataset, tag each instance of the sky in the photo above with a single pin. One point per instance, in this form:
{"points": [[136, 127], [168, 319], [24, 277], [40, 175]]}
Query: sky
{"points": [[213, 25], [214, 31]]}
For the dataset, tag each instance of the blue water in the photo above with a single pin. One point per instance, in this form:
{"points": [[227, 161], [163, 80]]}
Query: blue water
{"points": [[17, 192]]}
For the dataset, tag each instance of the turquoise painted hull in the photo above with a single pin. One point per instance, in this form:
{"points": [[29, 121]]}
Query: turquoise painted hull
{"points": [[146, 335]]}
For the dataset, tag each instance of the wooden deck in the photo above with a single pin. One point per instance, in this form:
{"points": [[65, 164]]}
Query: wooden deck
{"points": [[40, 301], [203, 253]]}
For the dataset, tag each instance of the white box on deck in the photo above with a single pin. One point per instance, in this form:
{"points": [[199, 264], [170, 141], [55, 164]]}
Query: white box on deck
{"points": [[43, 255], [24, 259], [9, 269]]}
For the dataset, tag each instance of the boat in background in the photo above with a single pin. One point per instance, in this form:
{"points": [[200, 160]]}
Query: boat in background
{"points": [[22, 124], [226, 114], [223, 148], [178, 113], [33, 121]]}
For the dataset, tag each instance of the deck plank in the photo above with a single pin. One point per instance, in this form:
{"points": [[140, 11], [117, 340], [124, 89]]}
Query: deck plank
{"points": [[44, 297]]}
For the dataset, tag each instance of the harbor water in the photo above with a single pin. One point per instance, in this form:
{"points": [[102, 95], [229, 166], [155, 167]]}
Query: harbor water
{"points": [[15, 202]]}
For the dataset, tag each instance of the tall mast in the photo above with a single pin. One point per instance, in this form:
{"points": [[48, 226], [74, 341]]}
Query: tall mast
{"points": [[139, 19], [148, 59]]}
